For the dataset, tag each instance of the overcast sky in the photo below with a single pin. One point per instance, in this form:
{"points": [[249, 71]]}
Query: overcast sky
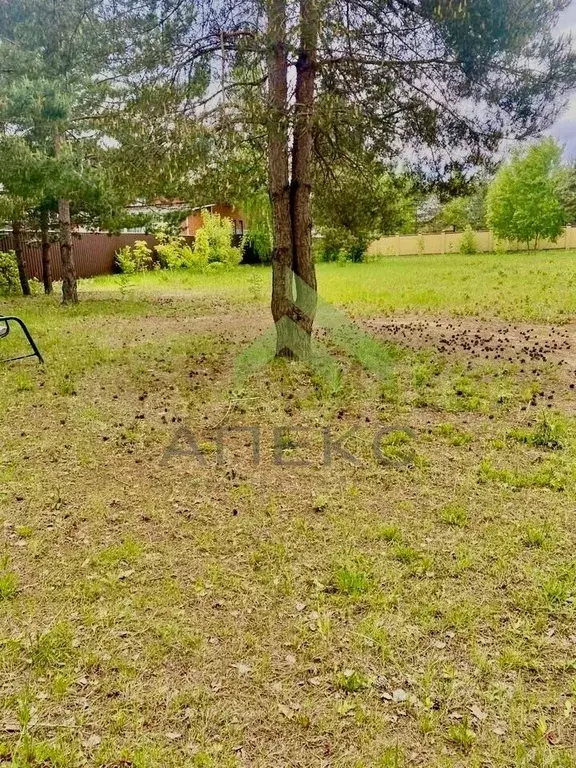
{"points": [[565, 128]]}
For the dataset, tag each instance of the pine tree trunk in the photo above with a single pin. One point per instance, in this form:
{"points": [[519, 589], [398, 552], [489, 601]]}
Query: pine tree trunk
{"points": [[20, 258], [301, 184], [291, 199], [69, 287], [278, 179], [46, 260]]}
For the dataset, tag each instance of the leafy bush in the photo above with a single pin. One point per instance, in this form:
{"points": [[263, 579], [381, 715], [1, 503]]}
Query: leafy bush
{"points": [[213, 243], [468, 241], [340, 245], [125, 261], [213, 247], [175, 253], [36, 287], [9, 279], [202, 246], [136, 258]]}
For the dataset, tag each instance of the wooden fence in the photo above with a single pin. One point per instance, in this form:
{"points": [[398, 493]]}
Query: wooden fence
{"points": [[449, 242], [94, 253]]}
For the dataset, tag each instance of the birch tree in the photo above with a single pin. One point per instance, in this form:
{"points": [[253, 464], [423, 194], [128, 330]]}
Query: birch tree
{"points": [[524, 201]]}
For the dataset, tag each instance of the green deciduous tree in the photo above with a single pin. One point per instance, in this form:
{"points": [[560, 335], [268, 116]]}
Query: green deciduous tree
{"points": [[523, 200], [567, 191], [462, 212], [454, 214]]}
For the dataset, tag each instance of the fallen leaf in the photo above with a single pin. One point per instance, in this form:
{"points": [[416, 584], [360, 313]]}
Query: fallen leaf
{"points": [[477, 712], [92, 741], [399, 695], [387, 696]]}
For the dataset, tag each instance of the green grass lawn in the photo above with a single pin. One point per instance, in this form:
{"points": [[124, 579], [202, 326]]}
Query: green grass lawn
{"points": [[539, 285], [198, 610]]}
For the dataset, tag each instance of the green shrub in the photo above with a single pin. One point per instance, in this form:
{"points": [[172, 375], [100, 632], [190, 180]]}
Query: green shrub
{"points": [[175, 253], [202, 246], [9, 279], [468, 241], [133, 259], [124, 261], [36, 287], [340, 246], [213, 242]]}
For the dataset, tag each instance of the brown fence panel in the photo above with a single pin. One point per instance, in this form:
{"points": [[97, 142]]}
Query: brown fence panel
{"points": [[93, 253]]}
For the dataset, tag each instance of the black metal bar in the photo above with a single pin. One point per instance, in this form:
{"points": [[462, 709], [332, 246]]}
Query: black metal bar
{"points": [[20, 357], [35, 350]]}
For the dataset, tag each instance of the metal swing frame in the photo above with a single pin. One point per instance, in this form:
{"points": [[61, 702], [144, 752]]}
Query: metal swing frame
{"points": [[5, 330]]}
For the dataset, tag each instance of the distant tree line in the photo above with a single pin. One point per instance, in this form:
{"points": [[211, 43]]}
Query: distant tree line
{"points": [[530, 196]]}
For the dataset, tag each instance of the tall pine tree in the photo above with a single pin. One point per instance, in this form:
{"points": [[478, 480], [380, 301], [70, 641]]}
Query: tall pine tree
{"points": [[54, 86], [437, 81]]}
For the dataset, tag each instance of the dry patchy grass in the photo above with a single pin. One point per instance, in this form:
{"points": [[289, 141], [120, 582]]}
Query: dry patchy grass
{"points": [[191, 610]]}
